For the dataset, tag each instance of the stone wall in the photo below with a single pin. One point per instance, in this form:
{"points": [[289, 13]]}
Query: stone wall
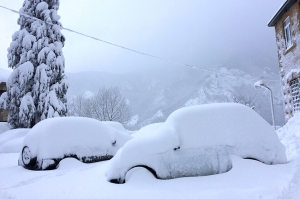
{"points": [[3, 113], [289, 58]]}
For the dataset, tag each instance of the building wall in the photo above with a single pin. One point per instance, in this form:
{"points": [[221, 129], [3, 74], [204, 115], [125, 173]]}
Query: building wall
{"points": [[289, 59], [3, 113], [2, 87]]}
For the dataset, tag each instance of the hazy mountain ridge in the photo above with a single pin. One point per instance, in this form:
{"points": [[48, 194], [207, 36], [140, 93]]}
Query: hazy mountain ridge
{"points": [[153, 95]]}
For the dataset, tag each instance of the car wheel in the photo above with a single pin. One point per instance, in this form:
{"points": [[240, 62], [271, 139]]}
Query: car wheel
{"points": [[27, 158]]}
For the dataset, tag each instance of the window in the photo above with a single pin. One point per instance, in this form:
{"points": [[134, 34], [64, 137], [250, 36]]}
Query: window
{"points": [[287, 32], [295, 94]]}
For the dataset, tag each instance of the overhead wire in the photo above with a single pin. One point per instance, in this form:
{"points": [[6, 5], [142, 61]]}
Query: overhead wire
{"points": [[142, 53]]}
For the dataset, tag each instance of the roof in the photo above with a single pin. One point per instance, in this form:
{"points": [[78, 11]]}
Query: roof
{"points": [[281, 11]]}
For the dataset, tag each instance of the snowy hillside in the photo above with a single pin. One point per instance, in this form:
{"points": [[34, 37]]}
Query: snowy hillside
{"points": [[153, 95]]}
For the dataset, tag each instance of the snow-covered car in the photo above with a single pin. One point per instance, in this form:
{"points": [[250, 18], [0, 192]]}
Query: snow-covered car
{"points": [[54, 139], [198, 141]]}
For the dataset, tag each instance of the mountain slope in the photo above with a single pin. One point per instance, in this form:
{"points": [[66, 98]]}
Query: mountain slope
{"points": [[153, 95]]}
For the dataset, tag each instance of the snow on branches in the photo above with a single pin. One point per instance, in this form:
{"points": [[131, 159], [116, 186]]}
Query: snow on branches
{"points": [[37, 87]]}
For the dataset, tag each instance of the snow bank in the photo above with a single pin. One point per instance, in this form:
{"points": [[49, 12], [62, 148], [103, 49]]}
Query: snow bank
{"points": [[12, 134], [85, 137], [289, 135], [11, 141], [247, 179], [12, 146], [4, 126], [198, 140]]}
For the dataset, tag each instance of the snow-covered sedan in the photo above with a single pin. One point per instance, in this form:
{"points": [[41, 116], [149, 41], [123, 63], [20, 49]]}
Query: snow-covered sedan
{"points": [[198, 141], [54, 139]]}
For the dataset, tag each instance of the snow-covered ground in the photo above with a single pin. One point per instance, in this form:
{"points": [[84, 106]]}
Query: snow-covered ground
{"points": [[289, 135], [248, 179], [76, 180]]}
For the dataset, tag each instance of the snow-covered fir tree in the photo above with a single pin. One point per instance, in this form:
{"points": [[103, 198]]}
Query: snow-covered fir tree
{"points": [[37, 87]]}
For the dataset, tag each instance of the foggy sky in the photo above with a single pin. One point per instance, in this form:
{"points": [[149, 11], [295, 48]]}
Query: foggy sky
{"points": [[200, 33]]}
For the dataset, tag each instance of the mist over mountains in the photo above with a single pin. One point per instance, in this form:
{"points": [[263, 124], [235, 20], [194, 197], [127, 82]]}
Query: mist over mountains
{"points": [[155, 93]]}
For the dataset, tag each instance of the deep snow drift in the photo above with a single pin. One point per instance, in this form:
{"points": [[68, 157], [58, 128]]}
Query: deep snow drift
{"points": [[289, 135], [11, 141], [247, 179]]}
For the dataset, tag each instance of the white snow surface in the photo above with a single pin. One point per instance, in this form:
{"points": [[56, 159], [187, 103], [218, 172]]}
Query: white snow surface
{"points": [[118, 126], [11, 140], [55, 137], [289, 135], [147, 129], [4, 126], [205, 137], [12, 134], [247, 179], [42, 6], [12, 146]]}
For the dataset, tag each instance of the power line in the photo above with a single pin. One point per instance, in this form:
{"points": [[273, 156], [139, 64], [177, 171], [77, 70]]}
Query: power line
{"points": [[136, 51]]}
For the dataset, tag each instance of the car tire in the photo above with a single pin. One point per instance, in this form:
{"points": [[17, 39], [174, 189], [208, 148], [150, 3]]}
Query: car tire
{"points": [[27, 158]]}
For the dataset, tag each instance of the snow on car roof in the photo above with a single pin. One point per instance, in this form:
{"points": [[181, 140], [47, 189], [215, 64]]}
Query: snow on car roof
{"points": [[212, 125], [54, 137]]}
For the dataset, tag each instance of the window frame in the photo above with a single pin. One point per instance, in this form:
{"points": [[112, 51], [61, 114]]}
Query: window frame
{"points": [[295, 94], [287, 32]]}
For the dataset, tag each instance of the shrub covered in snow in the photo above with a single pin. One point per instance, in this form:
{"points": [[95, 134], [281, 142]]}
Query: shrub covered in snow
{"points": [[36, 89], [198, 141], [53, 139]]}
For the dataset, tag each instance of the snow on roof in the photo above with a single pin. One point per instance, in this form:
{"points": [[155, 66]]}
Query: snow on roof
{"points": [[292, 74], [283, 8]]}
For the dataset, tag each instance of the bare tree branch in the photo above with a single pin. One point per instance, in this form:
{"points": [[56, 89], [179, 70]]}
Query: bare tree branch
{"points": [[106, 105]]}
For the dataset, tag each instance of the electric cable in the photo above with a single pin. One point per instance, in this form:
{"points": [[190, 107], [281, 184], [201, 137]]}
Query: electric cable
{"points": [[141, 53]]}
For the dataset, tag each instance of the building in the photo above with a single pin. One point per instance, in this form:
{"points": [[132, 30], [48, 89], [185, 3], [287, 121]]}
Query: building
{"points": [[286, 22], [3, 113]]}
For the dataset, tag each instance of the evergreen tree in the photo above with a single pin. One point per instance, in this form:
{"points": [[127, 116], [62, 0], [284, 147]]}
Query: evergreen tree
{"points": [[37, 87]]}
